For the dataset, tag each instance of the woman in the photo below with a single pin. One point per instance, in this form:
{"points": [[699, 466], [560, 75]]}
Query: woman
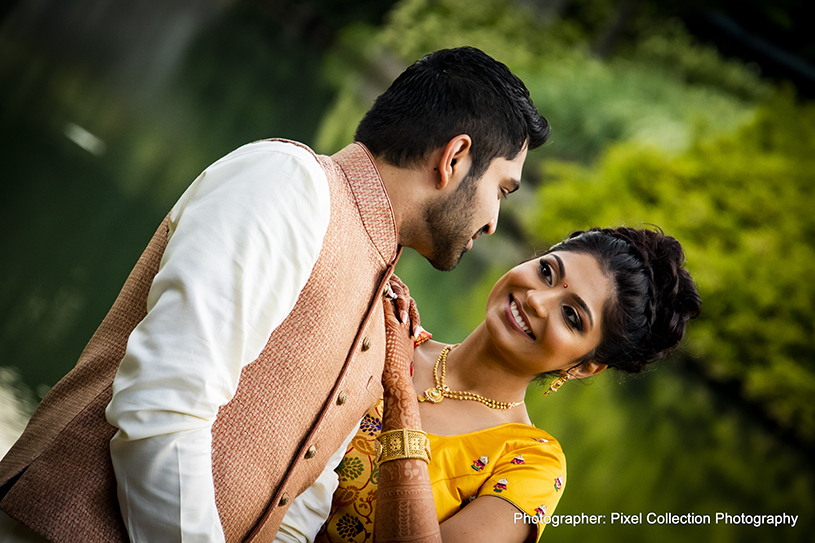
{"points": [[601, 299]]}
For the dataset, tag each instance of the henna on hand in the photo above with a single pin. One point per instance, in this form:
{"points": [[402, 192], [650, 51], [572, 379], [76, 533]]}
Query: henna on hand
{"points": [[405, 509], [401, 406], [406, 306]]}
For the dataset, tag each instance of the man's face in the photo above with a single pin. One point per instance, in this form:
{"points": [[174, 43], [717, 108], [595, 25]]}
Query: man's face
{"points": [[456, 221]]}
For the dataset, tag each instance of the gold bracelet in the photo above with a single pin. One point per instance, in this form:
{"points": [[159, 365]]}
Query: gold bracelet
{"points": [[403, 443]]}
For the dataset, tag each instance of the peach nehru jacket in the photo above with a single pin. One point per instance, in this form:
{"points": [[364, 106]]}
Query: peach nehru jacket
{"points": [[243, 349]]}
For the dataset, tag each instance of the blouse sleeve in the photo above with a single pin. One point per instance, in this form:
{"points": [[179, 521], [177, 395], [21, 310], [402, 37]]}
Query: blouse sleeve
{"points": [[531, 476]]}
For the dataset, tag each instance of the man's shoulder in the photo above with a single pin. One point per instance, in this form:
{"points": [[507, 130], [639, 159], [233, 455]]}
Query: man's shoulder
{"points": [[264, 158], [277, 146]]}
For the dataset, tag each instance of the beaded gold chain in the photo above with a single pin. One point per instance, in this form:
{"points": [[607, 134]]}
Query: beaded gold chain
{"points": [[440, 391]]}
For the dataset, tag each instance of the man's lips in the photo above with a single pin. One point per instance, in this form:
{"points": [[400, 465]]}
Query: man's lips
{"points": [[477, 235]]}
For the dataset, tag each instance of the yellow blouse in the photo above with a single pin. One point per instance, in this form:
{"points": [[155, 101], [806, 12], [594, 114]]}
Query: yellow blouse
{"points": [[515, 462]]}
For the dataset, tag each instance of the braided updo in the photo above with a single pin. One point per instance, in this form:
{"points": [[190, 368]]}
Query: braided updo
{"points": [[652, 299]]}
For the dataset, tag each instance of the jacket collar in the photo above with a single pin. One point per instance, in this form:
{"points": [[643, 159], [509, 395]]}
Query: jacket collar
{"points": [[371, 197]]}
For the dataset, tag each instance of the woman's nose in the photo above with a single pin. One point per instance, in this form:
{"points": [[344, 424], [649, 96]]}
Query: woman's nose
{"points": [[538, 302]]}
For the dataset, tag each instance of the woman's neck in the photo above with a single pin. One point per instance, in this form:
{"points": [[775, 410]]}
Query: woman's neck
{"points": [[470, 367], [476, 366]]}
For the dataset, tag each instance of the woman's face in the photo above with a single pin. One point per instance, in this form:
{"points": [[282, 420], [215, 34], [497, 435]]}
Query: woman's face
{"points": [[545, 314]]}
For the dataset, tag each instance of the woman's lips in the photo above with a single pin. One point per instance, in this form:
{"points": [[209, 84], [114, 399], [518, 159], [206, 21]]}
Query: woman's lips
{"points": [[518, 317]]}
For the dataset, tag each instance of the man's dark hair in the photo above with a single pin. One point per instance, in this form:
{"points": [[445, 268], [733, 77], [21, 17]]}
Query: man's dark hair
{"points": [[447, 93]]}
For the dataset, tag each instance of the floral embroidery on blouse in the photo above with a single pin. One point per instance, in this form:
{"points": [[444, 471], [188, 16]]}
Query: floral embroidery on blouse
{"points": [[501, 485], [481, 463], [508, 463], [370, 425], [349, 469]]}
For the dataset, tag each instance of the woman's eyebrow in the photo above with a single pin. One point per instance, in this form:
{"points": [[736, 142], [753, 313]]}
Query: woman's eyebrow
{"points": [[560, 271]]}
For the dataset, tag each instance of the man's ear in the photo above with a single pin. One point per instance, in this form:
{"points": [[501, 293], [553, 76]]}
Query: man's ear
{"points": [[453, 164], [588, 369]]}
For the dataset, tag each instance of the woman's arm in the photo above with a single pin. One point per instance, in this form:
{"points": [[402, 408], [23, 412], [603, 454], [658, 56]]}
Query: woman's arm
{"points": [[405, 510]]}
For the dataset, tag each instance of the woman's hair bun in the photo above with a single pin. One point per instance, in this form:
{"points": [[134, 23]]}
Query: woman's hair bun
{"points": [[673, 298]]}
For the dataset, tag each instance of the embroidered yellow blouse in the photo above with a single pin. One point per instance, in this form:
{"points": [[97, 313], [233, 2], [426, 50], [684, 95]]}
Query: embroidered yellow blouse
{"points": [[515, 462]]}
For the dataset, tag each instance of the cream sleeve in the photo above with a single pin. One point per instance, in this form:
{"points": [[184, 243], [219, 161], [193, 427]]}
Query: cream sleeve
{"points": [[244, 238]]}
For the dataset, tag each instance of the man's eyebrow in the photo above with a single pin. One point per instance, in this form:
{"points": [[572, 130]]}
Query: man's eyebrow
{"points": [[514, 184], [562, 274]]}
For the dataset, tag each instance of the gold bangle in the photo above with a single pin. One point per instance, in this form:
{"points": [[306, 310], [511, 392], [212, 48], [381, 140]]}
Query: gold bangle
{"points": [[401, 444]]}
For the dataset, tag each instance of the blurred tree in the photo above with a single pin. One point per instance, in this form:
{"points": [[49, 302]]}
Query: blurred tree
{"points": [[590, 103], [731, 427], [661, 90], [773, 36], [107, 113], [663, 130], [742, 206]]}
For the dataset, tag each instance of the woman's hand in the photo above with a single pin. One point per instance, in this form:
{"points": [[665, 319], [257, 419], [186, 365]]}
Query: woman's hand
{"points": [[405, 510], [405, 305], [401, 406]]}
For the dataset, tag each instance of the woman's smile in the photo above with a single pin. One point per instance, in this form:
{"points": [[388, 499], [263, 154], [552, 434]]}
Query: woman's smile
{"points": [[517, 316], [546, 313]]}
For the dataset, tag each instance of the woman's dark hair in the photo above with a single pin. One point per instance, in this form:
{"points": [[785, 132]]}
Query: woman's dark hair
{"points": [[447, 93], [652, 297]]}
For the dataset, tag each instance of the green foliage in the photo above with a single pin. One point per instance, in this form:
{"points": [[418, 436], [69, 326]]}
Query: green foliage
{"points": [[664, 443], [73, 222], [589, 102], [592, 104], [360, 68], [677, 54], [742, 207], [666, 132], [507, 29]]}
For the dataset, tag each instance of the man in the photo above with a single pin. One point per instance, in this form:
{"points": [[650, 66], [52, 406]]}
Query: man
{"points": [[249, 340]]}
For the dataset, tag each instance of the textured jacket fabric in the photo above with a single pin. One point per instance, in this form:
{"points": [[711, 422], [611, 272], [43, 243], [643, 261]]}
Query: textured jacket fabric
{"points": [[317, 376]]}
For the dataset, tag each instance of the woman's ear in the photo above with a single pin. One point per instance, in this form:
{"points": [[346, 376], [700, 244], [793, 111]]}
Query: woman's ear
{"points": [[587, 369], [452, 167]]}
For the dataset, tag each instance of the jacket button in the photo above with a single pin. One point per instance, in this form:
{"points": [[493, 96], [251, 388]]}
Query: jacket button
{"points": [[311, 452], [342, 397], [366, 344], [284, 500]]}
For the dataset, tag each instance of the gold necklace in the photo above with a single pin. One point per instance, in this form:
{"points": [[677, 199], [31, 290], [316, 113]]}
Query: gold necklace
{"points": [[440, 391]]}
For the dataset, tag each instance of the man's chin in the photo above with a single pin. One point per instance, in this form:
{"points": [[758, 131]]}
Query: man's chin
{"points": [[447, 261]]}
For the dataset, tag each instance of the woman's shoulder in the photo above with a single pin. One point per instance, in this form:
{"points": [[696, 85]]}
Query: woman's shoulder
{"points": [[517, 462], [511, 442]]}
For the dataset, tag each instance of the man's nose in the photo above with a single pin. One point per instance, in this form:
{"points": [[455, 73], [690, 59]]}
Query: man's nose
{"points": [[490, 227]]}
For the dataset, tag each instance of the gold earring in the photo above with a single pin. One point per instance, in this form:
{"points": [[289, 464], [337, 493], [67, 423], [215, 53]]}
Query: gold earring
{"points": [[557, 383]]}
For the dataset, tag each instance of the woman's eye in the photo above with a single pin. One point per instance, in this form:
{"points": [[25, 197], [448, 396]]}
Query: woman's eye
{"points": [[573, 318], [545, 272]]}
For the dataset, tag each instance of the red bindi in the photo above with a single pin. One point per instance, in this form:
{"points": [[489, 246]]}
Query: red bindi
{"points": [[565, 285]]}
